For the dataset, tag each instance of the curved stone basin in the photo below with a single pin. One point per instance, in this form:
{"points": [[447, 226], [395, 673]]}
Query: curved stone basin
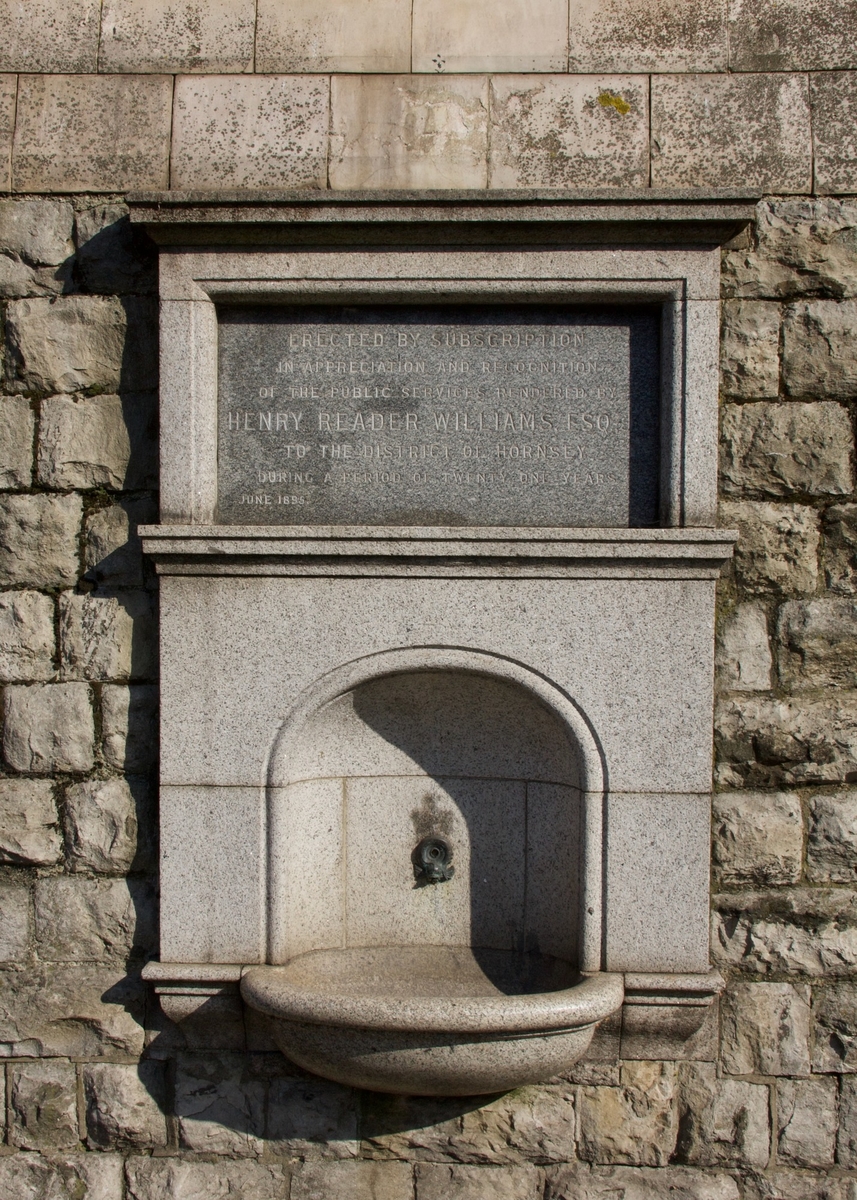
{"points": [[432, 1020]]}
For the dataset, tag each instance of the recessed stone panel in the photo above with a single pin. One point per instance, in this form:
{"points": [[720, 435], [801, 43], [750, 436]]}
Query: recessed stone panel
{"points": [[438, 416]]}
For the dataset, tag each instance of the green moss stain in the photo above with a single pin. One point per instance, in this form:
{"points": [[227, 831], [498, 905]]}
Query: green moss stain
{"points": [[610, 100]]}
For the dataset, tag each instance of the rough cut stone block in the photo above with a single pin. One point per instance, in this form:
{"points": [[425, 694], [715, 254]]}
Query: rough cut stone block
{"points": [[102, 825], [724, 1122], [70, 1010], [90, 133], [65, 1177], [556, 131], [38, 540], [409, 131], [49, 35], [765, 1029], [437, 1181], [175, 1179], [311, 1117], [29, 826], [818, 644], [89, 920], [840, 548], [8, 107], [636, 1123], [68, 343], [108, 637], [112, 254], [220, 1104], [15, 923], [38, 231], [574, 1182], [261, 131], [112, 549], [86, 442], [16, 445], [750, 349], [642, 36], [191, 35], [49, 727], [356, 1180], [26, 636], [846, 1141], [831, 848], [307, 35], [743, 657], [820, 349], [757, 837], [18, 280], [731, 131], [129, 726], [806, 931], [834, 1012], [806, 1122], [783, 449], [125, 1105], [43, 1105], [520, 35], [834, 111], [771, 742], [791, 35], [777, 551]]}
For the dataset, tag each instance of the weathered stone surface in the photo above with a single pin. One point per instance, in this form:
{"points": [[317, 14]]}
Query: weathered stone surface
{"points": [[125, 1105], [309, 36], [789, 1184], [831, 848], [20, 281], [260, 131], [15, 922], [65, 1177], [636, 1123], [68, 343], [108, 637], [731, 131], [8, 108], [156, 35], [112, 550], [49, 35], [834, 109], [750, 349], [724, 1122], [743, 656], [70, 1010], [26, 636], [818, 644], [16, 445], [130, 726], [38, 540], [112, 255], [356, 1180], [29, 833], [641, 36], [102, 825], [96, 441], [175, 1179], [804, 931], [576, 1182], [781, 449], [846, 1141], [309, 1117], [834, 1014], [437, 1181], [84, 133], [43, 1105], [767, 743], [840, 548], [523, 35], [220, 1104], [765, 1029], [820, 349], [806, 1122], [799, 248], [49, 727], [553, 130], [791, 35], [409, 131], [90, 920], [757, 837], [38, 231], [778, 548]]}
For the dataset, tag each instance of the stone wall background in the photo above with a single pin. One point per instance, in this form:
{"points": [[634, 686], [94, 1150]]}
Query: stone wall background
{"points": [[104, 1099]]}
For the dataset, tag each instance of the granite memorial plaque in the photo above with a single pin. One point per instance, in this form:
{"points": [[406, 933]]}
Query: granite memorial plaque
{"points": [[501, 415]]}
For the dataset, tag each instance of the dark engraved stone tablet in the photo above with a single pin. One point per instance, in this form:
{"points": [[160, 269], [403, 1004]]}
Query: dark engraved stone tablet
{"points": [[459, 415]]}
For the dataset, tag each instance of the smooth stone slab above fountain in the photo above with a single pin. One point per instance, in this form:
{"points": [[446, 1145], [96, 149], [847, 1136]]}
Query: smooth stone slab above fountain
{"points": [[436, 729]]}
